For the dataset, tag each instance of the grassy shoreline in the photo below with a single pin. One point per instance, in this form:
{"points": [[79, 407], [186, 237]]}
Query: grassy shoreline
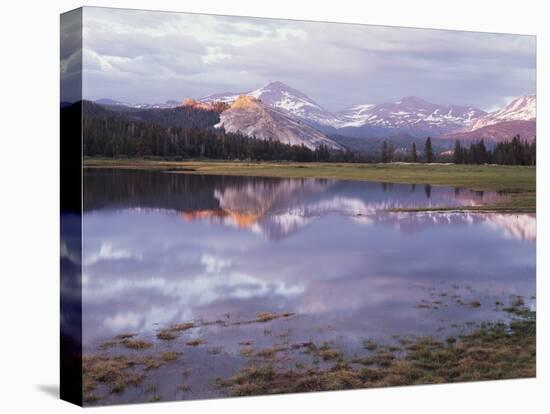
{"points": [[517, 182]]}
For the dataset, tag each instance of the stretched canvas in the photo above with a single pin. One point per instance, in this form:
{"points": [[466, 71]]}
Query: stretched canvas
{"points": [[257, 206]]}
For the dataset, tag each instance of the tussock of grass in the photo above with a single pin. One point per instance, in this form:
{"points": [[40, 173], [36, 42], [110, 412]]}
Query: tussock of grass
{"points": [[169, 356], [114, 372], [266, 316], [329, 354], [182, 326], [269, 352], [150, 363], [195, 342], [125, 336], [136, 344], [166, 335]]}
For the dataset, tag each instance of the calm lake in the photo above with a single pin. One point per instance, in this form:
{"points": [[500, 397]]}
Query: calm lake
{"points": [[164, 248]]}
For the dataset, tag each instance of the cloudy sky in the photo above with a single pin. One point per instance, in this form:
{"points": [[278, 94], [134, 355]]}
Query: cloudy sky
{"points": [[143, 56]]}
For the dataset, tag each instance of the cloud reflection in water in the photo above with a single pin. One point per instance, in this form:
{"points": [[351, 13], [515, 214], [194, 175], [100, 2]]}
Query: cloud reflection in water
{"points": [[316, 247]]}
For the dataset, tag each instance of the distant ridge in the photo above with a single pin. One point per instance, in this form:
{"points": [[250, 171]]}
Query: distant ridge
{"points": [[410, 116]]}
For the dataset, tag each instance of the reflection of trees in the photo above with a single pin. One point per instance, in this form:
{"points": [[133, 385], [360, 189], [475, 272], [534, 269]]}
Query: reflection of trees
{"points": [[428, 190], [182, 192]]}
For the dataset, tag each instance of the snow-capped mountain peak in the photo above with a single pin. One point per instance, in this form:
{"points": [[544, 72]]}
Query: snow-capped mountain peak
{"points": [[522, 108], [278, 95], [281, 96]]}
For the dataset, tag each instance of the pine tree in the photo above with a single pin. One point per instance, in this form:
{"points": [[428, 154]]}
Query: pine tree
{"points": [[384, 156], [414, 156], [428, 151], [391, 151], [458, 154]]}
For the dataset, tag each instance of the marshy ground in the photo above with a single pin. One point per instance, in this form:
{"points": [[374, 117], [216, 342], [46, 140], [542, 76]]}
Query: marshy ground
{"points": [[132, 368]]}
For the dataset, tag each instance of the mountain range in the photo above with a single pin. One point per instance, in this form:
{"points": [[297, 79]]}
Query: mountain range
{"points": [[408, 115], [277, 111]]}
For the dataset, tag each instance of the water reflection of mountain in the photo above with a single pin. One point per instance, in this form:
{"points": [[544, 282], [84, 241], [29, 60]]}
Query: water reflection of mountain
{"points": [[514, 226], [276, 208]]}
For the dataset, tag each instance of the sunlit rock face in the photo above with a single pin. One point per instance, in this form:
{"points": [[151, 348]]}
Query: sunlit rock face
{"points": [[215, 106], [249, 116]]}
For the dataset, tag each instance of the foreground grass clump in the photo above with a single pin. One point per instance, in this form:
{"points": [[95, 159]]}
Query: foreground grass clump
{"points": [[195, 342], [166, 335], [136, 344], [518, 182], [270, 352], [119, 372], [493, 351], [125, 336], [328, 353], [266, 316], [179, 327], [115, 372], [169, 356]]}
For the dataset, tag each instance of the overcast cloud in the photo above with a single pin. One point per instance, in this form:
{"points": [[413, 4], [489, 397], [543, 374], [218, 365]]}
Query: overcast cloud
{"points": [[143, 56]]}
